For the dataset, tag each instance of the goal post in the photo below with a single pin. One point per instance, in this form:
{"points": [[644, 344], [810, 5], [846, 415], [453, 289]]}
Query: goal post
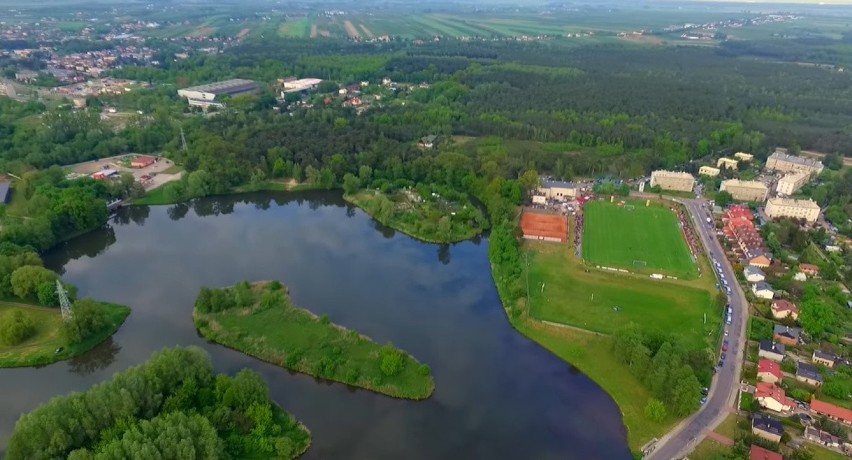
{"points": [[629, 207], [640, 263]]}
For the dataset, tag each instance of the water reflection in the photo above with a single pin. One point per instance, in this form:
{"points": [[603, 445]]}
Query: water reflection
{"points": [[100, 357]]}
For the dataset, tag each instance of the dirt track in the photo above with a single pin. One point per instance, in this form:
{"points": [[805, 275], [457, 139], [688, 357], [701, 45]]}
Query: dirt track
{"points": [[351, 30], [313, 31]]}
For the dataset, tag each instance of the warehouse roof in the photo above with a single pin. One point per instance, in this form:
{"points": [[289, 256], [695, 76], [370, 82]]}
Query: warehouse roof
{"points": [[225, 87]]}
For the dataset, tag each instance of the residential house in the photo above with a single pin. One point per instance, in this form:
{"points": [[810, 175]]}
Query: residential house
{"points": [[742, 156], [787, 335], [728, 163], [831, 411], [759, 453], [769, 371], [782, 308], [762, 260], [773, 397], [762, 290], [767, 427], [809, 374], [428, 142], [822, 437], [808, 269], [753, 274], [771, 350], [823, 359], [799, 276], [142, 162], [708, 171]]}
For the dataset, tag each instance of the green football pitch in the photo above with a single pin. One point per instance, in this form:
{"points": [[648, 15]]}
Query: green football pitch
{"points": [[636, 237]]}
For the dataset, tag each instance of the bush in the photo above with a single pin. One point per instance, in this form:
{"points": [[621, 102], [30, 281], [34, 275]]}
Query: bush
{"points": [[15, 327], [423, 370], [391, 360], [89, 318]]}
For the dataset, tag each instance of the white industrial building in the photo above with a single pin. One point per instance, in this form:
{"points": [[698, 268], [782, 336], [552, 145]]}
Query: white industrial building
{"points": [[205, 95], [297, 86], [791, 183]]}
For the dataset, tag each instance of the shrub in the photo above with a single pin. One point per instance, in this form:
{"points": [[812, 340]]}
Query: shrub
{"points": [[391, 360], [423, 370], [15, 327]]}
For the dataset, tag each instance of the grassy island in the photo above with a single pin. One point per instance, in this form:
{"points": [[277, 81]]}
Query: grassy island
{"points": [[33, 336], [172, 406], [260, 320], [431, 216]]}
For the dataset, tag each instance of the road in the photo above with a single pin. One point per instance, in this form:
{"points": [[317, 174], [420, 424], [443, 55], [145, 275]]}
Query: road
{"points": [[723, 390]]}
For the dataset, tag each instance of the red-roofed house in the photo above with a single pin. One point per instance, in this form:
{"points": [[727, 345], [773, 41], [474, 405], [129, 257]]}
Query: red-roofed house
{"points": [[759, 453], [831, 411], [784, 308], [769, 371], [773, 397], [809, 269]]}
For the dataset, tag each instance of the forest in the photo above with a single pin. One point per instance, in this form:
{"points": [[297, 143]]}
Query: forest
{"points": [[172, 406]]}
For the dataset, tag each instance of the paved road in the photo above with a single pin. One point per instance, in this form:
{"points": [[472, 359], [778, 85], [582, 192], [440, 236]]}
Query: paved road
{"points": [[723, 391]]}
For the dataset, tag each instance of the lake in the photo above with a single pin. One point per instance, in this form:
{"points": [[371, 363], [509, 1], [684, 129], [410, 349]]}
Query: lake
{"points": [[498, 395]]}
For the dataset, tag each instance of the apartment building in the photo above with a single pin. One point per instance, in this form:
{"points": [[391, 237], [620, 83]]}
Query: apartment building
{"points": [[745, 190], [791, 183], [708, 171], [779, 161], [796, 209], [671, 180]]}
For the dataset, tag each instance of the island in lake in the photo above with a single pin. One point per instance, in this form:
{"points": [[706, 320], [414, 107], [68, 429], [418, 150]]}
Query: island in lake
{"points": [[172, 406], [260, 320]]}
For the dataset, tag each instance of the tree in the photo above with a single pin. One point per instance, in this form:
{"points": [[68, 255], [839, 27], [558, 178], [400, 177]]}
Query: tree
{"points": [[15, 327], [351, 183], [391, 360], [723, 199], [685, 391], [47, 296], [26, 280], [816, 317], [89, 317], [655, 410], [245, 389]]}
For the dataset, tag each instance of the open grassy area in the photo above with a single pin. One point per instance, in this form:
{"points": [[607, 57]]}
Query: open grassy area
{"points": [[708, 449], [40, 349], [729, 428], [821, 453], [636, 237], [433, 219], [295, 28], [260, 320], [563, 290]]}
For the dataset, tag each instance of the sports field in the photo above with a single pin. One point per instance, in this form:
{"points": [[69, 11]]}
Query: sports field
{"points": [[563, 290], [636, 237]]}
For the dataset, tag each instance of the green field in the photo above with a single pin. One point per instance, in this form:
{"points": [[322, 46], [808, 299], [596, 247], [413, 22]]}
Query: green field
{"points": [[296, 28], [40, 349], [261, 320], [636, 237], [562, 290]]}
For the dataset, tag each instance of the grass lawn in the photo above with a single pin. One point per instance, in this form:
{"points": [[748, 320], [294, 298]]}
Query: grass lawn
{"points": [[624, 236], [40, 349], [563, 290], [265, 324], [299, 28], [729, 427], [591, 354], [821, 453], [708, 449], [433, 220]]}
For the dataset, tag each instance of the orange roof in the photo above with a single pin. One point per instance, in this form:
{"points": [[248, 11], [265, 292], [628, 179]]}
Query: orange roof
{"points": [[770, 390], [808, 268], [759, 453], [545, 225], [771, 367], [831, 410]]}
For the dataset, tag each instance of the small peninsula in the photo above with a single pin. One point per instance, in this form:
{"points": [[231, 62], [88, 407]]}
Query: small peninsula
{"points": [[260, 320], [443, 216]]}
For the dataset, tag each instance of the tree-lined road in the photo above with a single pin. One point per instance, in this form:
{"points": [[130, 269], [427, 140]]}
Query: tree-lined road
{"points": [[723, 391]]}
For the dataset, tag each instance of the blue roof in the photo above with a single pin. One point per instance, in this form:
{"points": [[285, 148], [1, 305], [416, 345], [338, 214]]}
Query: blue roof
{"points": [[4, 191]]}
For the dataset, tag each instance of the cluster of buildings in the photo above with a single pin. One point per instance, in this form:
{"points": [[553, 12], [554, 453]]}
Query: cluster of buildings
{"points": [[746, 240]]}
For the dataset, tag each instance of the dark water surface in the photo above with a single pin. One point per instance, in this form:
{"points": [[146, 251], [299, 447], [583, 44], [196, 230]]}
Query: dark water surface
{"points": [[498, 395]]}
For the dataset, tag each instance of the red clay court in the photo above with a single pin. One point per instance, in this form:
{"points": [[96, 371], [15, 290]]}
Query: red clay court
{"points": [[546, 227]]}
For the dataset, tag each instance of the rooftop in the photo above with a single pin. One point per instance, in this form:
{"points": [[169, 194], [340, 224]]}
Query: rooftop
{"points": [[557, 184], [784, 305], [678, 174], [771, 367], [808, 371], [811, 204], [792, 159], [787, 331], [762, 286], [754, 271], [824, 356], [224, 87], [759, 453], [744, 183], [831, 410], [767, 424], [768, 345]]}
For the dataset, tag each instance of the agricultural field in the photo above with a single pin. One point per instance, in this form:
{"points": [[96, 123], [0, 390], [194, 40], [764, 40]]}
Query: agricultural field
{"points": [[295, 28], [563, 290], [636, 237]]}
